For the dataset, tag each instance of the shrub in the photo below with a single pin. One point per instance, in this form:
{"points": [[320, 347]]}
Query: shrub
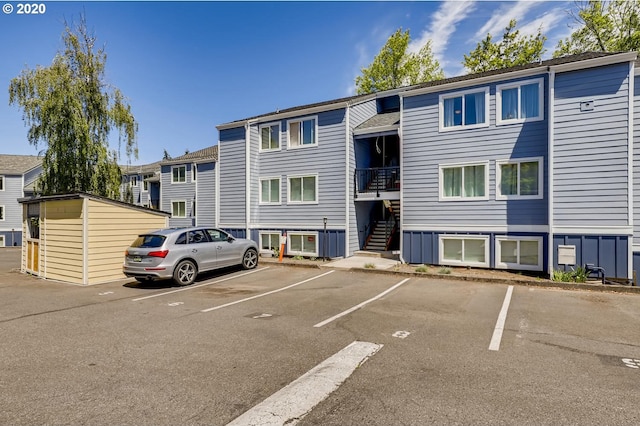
{"points": [[422, 268], [298, 257], [369, 266], [578, 275], [444, 270]]}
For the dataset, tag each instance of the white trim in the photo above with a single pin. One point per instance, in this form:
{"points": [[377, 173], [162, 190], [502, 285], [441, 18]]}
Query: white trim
{"points": [[518, 266], [232, 225], [217, 187], [2, 241], [593, 230], [301, 120], [381, 129], [550, 158], [453, 262], [247, 181], [177, 182], [518, 161], [401, 161], [271, 124], [630, 166], [313, 175], [518, 85], [269, 178], [426, 227], [462, 198], [261, 233], [461, 94], [296, 226], [85, 241], [302, 253], [349, 181], [595, 62], [185, 209]]}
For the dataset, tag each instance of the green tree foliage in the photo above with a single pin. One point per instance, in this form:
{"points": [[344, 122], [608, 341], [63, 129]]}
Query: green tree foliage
{"points": [[70, 109], [514, 49], [395, 67], [603, 26]]}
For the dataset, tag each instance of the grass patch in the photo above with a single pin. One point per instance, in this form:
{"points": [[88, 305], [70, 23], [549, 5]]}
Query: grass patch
{"points": [[422, 268], [369, 266], [444, 270]]}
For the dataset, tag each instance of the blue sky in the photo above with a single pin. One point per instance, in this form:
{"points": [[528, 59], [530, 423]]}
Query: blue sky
{"points": [[186, 67]]}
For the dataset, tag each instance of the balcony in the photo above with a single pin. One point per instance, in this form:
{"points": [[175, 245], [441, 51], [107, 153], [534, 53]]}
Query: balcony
{"points": [[376, 180]]}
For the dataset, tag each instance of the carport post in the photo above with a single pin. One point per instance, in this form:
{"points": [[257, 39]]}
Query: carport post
{"points": [[324, 240]]}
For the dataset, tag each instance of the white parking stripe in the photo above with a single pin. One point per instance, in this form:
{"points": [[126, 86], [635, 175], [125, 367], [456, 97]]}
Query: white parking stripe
{"points": [[191, 287], [291, 403], [267, 293], [502, 317], [355, 308]]}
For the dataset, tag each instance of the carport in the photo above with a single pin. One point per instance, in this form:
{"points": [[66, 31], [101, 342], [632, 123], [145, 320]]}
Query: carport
{"points": [[81, 238]]}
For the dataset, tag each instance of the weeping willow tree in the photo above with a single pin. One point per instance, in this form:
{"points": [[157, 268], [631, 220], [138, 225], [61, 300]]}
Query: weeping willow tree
{"points": [[70, 111]]}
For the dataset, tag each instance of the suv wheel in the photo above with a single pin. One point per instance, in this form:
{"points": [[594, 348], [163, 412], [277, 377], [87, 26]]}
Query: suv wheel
{"points": [[185, 273], [250, 259]]}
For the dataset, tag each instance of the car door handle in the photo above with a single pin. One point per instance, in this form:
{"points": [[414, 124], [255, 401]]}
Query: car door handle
{"points": [[219, 247], [194, 251]]}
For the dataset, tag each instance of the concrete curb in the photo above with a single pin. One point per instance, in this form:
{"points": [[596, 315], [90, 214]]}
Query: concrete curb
{"points": [[528, 283]]}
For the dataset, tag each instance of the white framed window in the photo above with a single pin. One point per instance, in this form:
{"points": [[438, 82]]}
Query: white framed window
{"points": [[2, 213], [270, 190], [1, 183], [519, 253], [145, 184], [302, 189], [269, 137], [2, 243], [520, 101], [178, 174], [519, 179], [464, 182], [133, 181], [269, 241], [467, 250], [303, 244], [303, 132], [468, 109], [178, 209], [194, 172]]}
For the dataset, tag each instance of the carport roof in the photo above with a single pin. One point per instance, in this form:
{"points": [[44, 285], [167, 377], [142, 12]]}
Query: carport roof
{"points": [[80, 195]]}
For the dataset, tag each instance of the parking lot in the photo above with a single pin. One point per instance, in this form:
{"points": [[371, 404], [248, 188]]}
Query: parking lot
{"points": [[255, 343]]}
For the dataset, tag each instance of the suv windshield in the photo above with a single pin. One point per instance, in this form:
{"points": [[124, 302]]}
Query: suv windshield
{"points": [[149, 241]]}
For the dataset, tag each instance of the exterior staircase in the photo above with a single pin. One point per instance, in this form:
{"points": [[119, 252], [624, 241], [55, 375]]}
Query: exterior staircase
{"points": [[383, 230]]}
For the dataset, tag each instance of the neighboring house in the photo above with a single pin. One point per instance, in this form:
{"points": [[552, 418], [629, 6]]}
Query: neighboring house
{"points": [[525, 168], [141, 185], [188, 188], [18, 174]]}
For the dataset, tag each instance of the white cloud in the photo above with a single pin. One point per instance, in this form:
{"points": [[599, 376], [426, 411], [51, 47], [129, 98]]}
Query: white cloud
{"points": [[547, 22], [442, 27], [501, 17]]}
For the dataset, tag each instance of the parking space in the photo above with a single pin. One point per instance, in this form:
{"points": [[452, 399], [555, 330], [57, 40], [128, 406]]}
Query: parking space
{"points": [[127, 353]]}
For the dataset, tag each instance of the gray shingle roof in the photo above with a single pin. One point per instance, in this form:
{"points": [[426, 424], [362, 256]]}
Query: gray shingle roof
{"points": [[380, 120], [18, 164], [209, 153], [141, 169]]}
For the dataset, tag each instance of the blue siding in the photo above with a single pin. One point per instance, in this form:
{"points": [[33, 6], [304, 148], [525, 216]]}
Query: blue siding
{"points": [[425, 148], [237, 233], [636, 159], [335, 239], [13, 190], [206, 194], [178, 192], [591, 148], [11, 238], [232, 178], [608, 252]]}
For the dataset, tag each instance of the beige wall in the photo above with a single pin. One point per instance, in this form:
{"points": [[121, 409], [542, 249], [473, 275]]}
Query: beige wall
{"points": [[111, 229], [61, 245]]}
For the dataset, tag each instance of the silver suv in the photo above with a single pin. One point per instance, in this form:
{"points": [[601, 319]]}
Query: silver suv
{"points": [[182, 253]]}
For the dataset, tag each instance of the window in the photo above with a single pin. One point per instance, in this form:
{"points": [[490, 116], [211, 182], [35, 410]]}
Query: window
{"points": [[302, 244], [197, 236], [1, 183], [303, 189], [270, 191], [302, 133], [145, 184], [133, 181], [519, 253], [520, 102], [519, 179], [217, 235], [1, 212], [2, 244], [464, 250], [269, 241], [194, 172], [179, 174], [269, 137], [178, 209], [463, 110], [464, 182]]}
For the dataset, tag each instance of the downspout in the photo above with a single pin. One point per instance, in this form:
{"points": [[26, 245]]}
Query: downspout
{"points": [[217, 189], [401, 163], [247, 188], [630, 168], [550, 127], [347, 182]]}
